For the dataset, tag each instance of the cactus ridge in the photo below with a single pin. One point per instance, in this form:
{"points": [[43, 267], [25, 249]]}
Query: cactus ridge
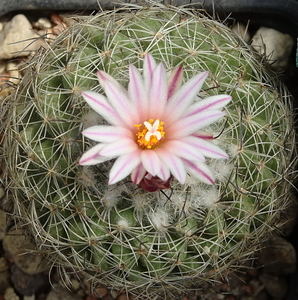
{"points": [[161, 243]]}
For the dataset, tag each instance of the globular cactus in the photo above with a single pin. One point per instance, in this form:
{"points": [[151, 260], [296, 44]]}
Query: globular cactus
{"points": [[158, 243]]}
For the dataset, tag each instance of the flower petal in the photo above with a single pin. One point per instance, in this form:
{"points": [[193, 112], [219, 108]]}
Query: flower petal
{"points": [[181, 100], [203, 135], [121, 103], [123, 166], [190, 125], [137, 93], [150, 161], [92, 156], [208, 149], [164, 172], [120, 147], [157, 93], [184, 150], [106, 134], [175, 81], [103, 77], [148, 68], [200, 171], [211, 103], [174, 163], [138, 174], [100, 104]]}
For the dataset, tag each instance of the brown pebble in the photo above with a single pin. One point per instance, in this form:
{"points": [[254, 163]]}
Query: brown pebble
{"points": [[279, 257], [123, 297], [28, 285], [253, 272], [101, 292]]}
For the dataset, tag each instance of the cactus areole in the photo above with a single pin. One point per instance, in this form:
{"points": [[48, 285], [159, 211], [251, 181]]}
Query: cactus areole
{"points": [[148, 149]]}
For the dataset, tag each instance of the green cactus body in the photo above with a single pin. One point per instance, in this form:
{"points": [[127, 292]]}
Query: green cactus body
{"points": [[120, 235]]}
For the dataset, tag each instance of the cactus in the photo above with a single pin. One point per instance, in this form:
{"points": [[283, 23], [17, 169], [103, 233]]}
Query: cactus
{"points": [[159, 243]]}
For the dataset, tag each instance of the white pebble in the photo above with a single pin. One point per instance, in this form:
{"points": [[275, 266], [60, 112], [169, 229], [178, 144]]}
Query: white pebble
{"points": [[275, 45]]}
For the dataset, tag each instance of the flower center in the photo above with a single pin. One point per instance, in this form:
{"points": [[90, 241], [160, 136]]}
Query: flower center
{"points": [[150, 133]]}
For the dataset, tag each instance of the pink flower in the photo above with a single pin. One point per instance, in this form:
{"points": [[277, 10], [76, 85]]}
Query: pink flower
{"points": [[155, 126]]}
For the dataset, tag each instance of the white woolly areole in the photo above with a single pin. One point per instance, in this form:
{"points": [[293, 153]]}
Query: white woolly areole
{"points": [[221, 169], [207, 197], [86, 177], [160, 220], [111, 197], [180, 201], [123, 224], [232, 150], [140, 201]]}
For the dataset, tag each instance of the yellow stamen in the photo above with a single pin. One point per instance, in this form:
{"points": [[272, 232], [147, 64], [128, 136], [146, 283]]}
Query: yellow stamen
{"points": [[150, 133]]}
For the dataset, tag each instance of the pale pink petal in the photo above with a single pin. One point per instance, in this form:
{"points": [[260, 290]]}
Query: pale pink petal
{"points": [[103, 77], [203, 135], [148, 68], [150, 161], [99, 103], [138, 174], [137, 93], [106, 134], [92, 156], [158, 91], [119, 147], [164, 173], [174, 163], [175, 81], [211, 103], [185, 95], [208, 149], [190, 125], [120, 102], [124, 165], [199, 170], [184, 150]]}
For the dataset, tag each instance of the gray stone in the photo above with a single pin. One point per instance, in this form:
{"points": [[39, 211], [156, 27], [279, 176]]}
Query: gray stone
{"points": [[275, 285], [10, 294], [18, 38], [278, 257], [4, 275], [23, 252], [60, 293], [275, 45], [2, 224], [28, 285]]}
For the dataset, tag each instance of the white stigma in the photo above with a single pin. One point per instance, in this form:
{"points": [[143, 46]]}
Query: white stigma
{"points": [[152, 130]]}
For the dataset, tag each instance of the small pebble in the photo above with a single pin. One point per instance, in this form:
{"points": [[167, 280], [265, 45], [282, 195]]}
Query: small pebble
{"points": [[11, 295], [29, 297], [18, 39], [100, 292], [123, 297], [14, 74], [5, 282], [275, 285], [28, 285], [60, 293], [43, 23], [23, 253], [2, 66], [275, 45], [278, 257], [3, 224]]}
